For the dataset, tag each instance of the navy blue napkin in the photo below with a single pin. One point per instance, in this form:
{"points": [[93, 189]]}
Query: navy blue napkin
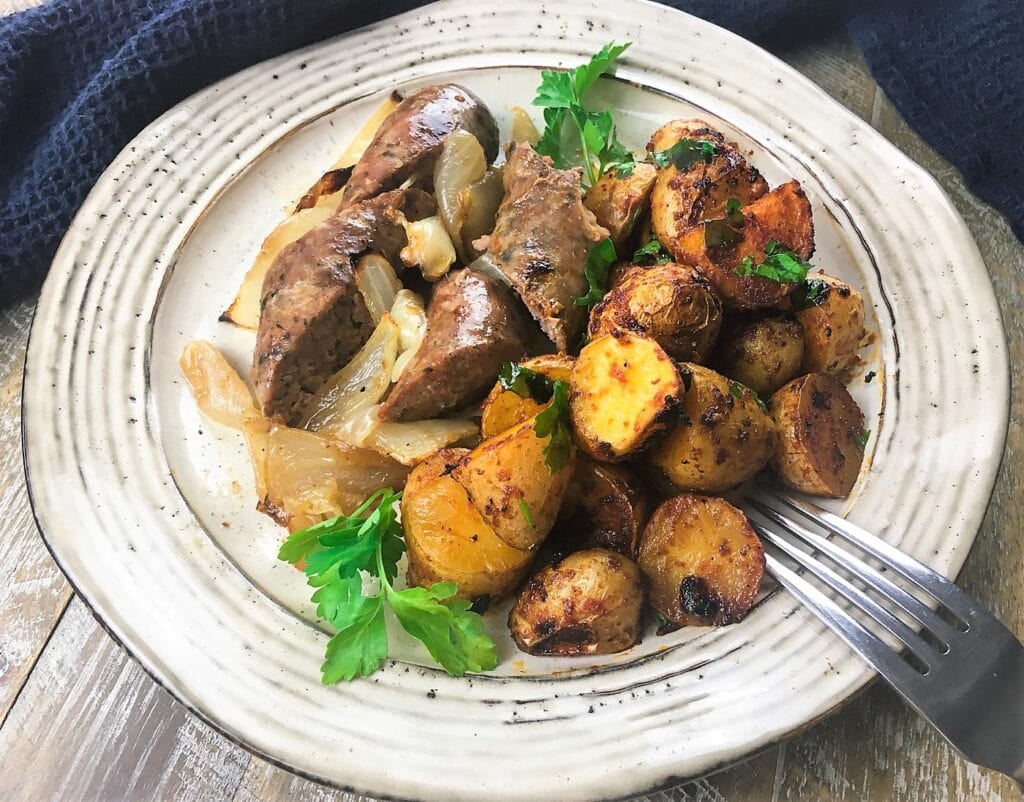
{"points": [[79, 78]]}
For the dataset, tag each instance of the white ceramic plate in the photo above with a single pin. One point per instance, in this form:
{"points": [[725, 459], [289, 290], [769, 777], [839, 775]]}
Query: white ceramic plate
{"points": [[149, 508]]}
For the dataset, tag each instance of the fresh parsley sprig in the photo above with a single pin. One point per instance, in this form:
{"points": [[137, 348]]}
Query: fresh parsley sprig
{"points": [[684, 153], [600, 258], [653, 253], [780, 264], [552, 421], [596, 148], [345, 554]]}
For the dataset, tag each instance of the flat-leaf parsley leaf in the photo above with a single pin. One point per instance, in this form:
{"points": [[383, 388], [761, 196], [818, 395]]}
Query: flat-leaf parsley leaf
{"points": [[600, 258], [780, 264]]}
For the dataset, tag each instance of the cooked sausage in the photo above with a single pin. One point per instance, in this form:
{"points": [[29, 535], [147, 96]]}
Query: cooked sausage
{"points": [[473, 325], [313, 317], [541, 240], [410, 139]]}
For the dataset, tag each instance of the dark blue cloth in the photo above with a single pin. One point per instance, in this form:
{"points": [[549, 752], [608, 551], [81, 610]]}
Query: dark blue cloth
{"points": [[79, 78]]}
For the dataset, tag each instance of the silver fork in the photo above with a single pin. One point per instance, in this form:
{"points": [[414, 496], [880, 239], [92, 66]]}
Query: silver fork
{"points": [[966, 678]]}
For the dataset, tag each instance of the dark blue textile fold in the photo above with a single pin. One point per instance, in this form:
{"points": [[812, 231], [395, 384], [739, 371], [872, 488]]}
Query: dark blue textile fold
{"points": [[79, 78]]}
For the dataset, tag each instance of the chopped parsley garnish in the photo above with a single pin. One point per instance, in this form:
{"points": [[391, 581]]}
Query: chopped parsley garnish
{"points": [[725, 232], [862, 438], [525, 510], [780, 264], [340, 553], [734, 212], [651, 253], [812, 292], [595, 269], [685, 153], [741, 391], [591, 134], [552, 421]]}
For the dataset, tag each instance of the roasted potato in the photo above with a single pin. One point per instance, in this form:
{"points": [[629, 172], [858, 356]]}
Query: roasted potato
{"points": [[724, 437], [821, 436], [762, 352], [448, 541], [589, 603], [606, 507], [833, 330], [617, 201], [702, 560], [673, 305], [683, 198], [783, 215], [624, 389], [503, 408], [510, 485]]}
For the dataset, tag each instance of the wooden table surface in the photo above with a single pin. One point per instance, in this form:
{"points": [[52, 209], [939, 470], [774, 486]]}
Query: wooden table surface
{"points": [[79, 719]]}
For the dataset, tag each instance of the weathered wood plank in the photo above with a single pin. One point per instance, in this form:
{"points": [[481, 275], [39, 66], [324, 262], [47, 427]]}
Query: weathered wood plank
{"points": [[33, 592], [90, 724]]}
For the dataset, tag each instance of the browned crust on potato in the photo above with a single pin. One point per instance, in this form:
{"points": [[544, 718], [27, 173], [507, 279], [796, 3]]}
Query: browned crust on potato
{"points": [[502, 408], [589, 603], [783, 215], [833, 330], [617, 201], [672, 304], [820, 431], [723, 438], [762, 352], [702, 561]]}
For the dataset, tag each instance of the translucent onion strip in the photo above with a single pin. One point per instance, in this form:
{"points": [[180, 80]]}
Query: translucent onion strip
{"points": [[217, 388], [378, 284], [411, 443]]}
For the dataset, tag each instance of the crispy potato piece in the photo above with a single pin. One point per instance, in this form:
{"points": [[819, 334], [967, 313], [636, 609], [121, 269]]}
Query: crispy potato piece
{"points": [[832, 331], [606, 507], [702, 560], [783, 215], [589, 603], [624, 389], [683, 198], [761, 352], [448, 541], [507, 481], [618, 201], [503, 408], [821, 440], [725, 437], [672, 304]]}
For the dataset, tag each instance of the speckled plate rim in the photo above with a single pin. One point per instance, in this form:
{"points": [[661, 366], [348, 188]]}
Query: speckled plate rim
{"points": [[57, 480]]}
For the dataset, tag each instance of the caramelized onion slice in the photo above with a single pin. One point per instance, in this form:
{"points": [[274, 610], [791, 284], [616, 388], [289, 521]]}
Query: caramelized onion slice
{"points": [[358, 385], [430, 248], [378, 284], [218, 389], [411, 443]]}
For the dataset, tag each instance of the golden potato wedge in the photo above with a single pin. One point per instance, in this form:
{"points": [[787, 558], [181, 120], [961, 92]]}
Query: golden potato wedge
{"points": [[447, 540], [723, 439], [617, 201], [702, 560], [832, 330], [589, 603], [821, 436], [762, 352], [624, 389], [683, 198], [783, 215], [508, 482], [672, 304], [503, 408], [605, 507]]}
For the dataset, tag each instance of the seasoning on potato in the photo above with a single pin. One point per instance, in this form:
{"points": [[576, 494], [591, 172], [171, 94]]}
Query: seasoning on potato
{"points": [[606, 506], [447, 540], [624, 390], [832, 320], [617, 200], [723, 438], [761, 352], [589, 603], [821, 436], [672, 304], [503, 408], [702, 561]]}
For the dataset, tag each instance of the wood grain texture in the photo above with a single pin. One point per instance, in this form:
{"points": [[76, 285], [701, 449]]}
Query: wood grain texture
{"points": [[89, 724]]}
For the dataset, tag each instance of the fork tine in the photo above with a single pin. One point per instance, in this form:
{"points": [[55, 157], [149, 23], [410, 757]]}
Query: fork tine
{"points": [[920, 611], [921, 575], [865, 643], [841, 585]]}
